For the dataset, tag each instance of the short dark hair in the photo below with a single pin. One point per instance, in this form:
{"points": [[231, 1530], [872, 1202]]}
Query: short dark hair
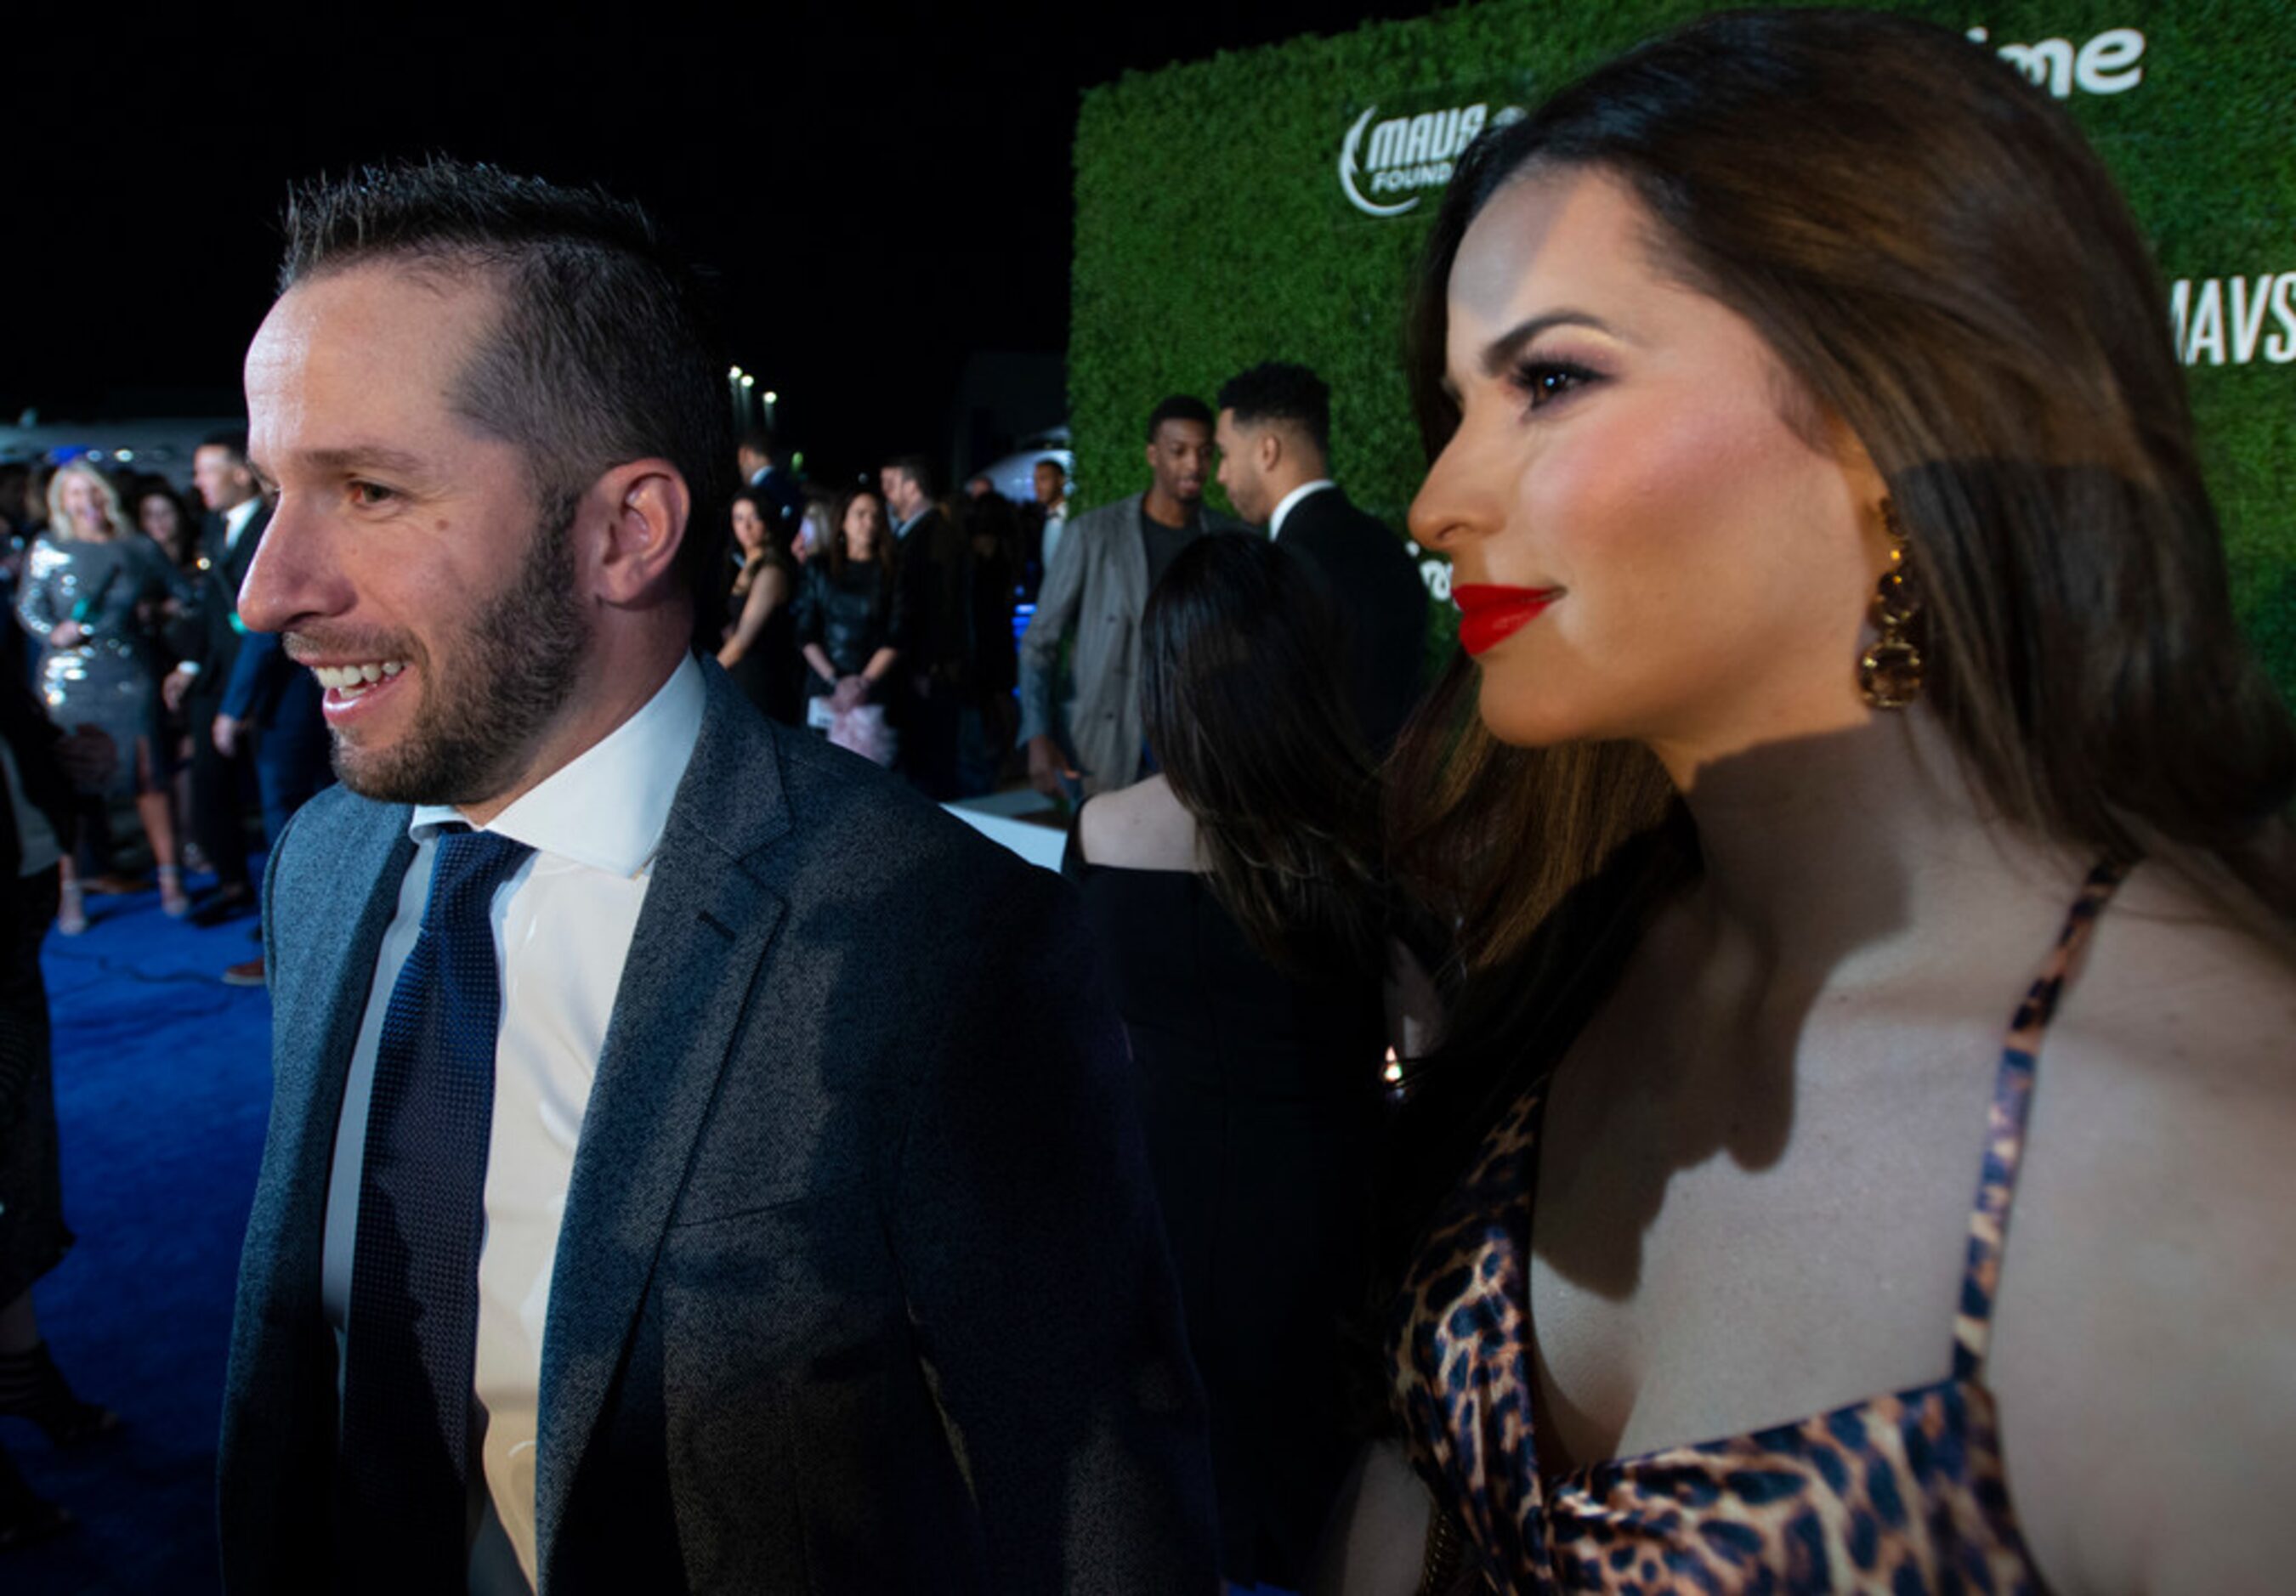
{"points": [[916, 468], [1178, 407], [1281, 390], [231, 440], [1055, 464], [602, 354], [760, 440]]}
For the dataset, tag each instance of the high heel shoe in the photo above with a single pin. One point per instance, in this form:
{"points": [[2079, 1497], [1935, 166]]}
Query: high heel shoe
{"points": [[26, 1519], [174, 902], [31, 1387]]}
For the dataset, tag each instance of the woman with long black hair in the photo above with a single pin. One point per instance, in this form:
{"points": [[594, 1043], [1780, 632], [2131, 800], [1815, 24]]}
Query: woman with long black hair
{"points": [[1238, 897]]}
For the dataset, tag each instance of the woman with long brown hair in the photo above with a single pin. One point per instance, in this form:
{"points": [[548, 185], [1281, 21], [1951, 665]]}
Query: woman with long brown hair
{"points": [[1854, 767], [1239, 902], [849, 628], [760, 651]]}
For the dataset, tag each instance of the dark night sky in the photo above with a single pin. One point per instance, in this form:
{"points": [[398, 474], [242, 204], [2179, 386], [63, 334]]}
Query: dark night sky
{"points": [[883, 188]]}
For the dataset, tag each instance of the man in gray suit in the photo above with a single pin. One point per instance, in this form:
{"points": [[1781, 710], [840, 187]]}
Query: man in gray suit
{"points": [[1094, 593], [695, 1161]]}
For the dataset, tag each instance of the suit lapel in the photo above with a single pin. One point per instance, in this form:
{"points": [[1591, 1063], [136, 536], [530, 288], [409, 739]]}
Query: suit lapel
{"points": [[342, 879], [1131, 552], [318, 1027], [316, 1024], [693, 961]]}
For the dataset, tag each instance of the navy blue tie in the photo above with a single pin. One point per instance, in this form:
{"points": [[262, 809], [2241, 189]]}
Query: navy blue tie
{"points": [[404, 1488]]}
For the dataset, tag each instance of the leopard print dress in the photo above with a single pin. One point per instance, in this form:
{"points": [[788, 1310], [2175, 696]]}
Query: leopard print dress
{"points": [[1900, 1494]]}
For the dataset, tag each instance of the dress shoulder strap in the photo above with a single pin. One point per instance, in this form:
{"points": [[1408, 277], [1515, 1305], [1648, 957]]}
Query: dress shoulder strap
{"points": [[2013, 1096]]}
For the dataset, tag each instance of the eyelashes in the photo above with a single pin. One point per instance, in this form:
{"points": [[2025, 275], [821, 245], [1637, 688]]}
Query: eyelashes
{"points": [[1541, 382]]}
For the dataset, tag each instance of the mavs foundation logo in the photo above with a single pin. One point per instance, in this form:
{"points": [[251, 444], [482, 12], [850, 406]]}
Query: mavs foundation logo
{"points": [[1385, 167]]}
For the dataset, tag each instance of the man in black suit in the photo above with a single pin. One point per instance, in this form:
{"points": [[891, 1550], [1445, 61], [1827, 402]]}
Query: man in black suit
{"points": [[759, 458], [1275, 438], [936, 667], [207, 640], [694, 1162]]}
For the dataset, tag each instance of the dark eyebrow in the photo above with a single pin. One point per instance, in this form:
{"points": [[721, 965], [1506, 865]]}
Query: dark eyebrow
{"points": [[373, 457], [1500, 353], [356, 457]]}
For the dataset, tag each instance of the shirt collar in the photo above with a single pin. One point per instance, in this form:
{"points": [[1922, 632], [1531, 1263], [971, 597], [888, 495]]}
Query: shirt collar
{"points": [[607, 806], [1283, 506], [235, 518]]}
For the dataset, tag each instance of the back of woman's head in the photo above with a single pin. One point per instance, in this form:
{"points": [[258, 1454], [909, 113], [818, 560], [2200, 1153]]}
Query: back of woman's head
{"points": [[989, 522], [1241, 666], [1944, 266]]}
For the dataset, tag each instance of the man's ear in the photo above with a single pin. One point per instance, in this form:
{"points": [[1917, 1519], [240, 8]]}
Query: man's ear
{"points": [[1268, 447], [638, 513]]}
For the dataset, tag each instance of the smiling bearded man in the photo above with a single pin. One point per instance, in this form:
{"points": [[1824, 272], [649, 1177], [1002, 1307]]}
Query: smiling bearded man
{"points": [[519, 658], [690, 1149]]}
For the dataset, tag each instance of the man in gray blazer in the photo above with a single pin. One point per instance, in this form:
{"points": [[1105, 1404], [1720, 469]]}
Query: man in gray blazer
{"points": [[1095, 592], [694, 1162]]}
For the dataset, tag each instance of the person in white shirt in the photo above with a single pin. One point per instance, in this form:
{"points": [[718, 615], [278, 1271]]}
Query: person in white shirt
{"points": [[1051, 485], [695, 1162]]}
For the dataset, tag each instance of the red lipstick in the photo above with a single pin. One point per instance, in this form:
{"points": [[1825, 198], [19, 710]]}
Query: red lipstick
{"points": [[1489, 614]]}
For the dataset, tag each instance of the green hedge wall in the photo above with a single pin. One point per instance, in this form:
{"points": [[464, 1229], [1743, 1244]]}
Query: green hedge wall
{"points": [[1212, 231]]}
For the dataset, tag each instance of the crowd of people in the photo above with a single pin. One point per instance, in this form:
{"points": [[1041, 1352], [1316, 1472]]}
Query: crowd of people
{"points": [[706, 1165], [881, 616], [121, 609]]}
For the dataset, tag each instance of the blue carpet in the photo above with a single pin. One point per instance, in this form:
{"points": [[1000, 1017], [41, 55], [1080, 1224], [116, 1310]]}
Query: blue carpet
{"points": [[163, 1083], [163, 1080]]}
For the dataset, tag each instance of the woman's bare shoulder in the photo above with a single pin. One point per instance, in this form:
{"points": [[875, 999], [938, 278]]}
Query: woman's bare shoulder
{"points": [[2185, 1001], [1139, 827], [2147, 1347]]}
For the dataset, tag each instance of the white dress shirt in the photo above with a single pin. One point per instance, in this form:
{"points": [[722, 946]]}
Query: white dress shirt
{"points": [[1283, 505], [235, 520], [1056, 521], [562, 924]]}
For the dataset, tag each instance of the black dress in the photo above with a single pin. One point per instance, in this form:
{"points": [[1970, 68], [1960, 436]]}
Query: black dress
{"points": [[1261, 1099], [851, 616], [770, 672]]}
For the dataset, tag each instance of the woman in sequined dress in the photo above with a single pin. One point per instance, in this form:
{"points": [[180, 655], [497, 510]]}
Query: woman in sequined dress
{"points": [[88, 583]]}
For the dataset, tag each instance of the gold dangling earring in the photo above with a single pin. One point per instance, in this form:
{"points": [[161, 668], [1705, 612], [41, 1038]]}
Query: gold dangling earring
{"points": [[1890, 673]]}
